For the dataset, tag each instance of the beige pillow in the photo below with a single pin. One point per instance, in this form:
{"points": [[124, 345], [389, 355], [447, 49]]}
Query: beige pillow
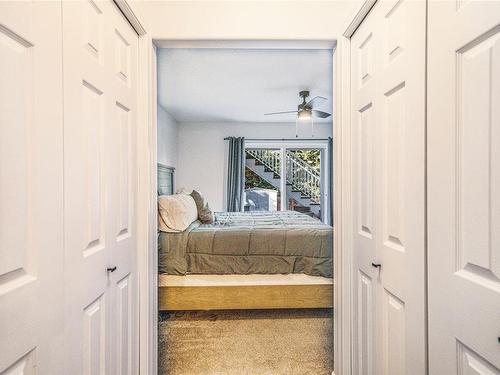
{"points": [[204, 212], [176, 212]]}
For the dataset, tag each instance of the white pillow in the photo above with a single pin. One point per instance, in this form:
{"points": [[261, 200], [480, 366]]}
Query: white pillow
{"points": [[176, 212]]}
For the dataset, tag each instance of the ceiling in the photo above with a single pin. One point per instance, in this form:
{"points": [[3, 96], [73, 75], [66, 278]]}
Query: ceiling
{"points": [[240, 85]]}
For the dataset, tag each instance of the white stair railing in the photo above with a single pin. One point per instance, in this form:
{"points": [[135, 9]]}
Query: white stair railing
{"points": [[300, 174]]}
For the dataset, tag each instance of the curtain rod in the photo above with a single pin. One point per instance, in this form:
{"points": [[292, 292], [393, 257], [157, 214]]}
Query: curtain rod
{"points": [[283, 139]]}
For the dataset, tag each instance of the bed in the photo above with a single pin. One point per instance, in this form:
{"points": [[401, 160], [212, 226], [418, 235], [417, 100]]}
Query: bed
{"points": [[282, 242], [250, 260]]}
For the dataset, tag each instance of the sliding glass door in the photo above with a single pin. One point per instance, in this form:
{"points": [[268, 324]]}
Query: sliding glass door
{"points": [[262, 179], [301, 185], [303, 176]]}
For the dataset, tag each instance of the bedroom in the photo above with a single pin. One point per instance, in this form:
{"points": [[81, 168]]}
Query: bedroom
{"points": [[267, 255]]}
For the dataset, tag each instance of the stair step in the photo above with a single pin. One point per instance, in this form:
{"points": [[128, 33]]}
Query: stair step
{"points": [[302, 209], [305, 197], [249, 157], [276, 176], [257, 162], [314, 204]]}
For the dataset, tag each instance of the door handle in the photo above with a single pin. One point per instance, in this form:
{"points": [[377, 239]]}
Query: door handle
{"points": [[376, 265], [111, 269]]}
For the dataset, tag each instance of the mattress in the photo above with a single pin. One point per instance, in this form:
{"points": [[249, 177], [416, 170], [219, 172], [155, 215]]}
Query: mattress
{"points": [[279, 242]]}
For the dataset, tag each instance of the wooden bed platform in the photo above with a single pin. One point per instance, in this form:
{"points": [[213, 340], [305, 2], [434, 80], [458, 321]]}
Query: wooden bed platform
{"points": [[230, 292]]}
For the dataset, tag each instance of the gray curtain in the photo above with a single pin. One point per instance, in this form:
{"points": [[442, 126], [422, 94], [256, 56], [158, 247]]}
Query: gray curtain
{"points": [[330, 179], [236, 173]]}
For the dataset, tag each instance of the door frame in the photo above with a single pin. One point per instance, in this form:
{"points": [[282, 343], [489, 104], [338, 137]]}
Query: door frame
{"points": [[147, 209], [343, 246]]}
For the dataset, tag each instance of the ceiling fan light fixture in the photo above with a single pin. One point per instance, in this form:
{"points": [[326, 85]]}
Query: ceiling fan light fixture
{"points": [[304, 114], [305, 110], [304, 119]]}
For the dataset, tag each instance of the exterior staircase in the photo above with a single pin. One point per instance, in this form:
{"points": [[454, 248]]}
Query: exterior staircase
{"points": [[302, 180]]}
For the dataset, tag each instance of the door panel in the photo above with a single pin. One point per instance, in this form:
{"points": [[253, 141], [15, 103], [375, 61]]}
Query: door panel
{"points": [[89, 146], [471, 363], [16, 107], [92, 28], [26, 365], [123, 166], [94, 337], [393, 155], [365, 182], [479, 160], [31, 175], [365, 316], [87, 244], [122, 201], [365, 107], [464, 187], [394, 333], [100, 184], [124, 322], [388, 98]]}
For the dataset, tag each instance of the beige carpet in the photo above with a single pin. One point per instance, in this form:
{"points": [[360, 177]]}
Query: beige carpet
{"points": [[251, 342]]}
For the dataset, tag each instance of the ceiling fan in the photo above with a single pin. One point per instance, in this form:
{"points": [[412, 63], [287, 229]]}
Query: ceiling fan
{"points": [[305, 110]]}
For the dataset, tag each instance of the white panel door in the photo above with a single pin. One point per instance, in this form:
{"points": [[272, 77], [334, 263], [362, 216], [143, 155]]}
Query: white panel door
{"points": [[364, 112], [100, 70], [388, 148], [464, 187], [31, 177]]}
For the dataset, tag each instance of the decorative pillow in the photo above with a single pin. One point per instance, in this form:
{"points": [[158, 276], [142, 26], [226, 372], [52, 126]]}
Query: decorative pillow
{"points": [[204, 212], [176, 212]]}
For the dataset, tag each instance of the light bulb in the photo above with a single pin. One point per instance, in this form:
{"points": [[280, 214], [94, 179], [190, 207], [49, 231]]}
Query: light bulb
{"points": [[304, 115]]}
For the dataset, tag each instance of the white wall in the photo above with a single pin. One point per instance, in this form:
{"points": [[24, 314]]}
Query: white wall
{"points": [[202, 158], [245, 20], [167, 139]]}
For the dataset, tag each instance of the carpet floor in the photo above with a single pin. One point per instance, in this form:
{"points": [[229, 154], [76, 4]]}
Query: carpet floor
{"points": [[246, 342]]}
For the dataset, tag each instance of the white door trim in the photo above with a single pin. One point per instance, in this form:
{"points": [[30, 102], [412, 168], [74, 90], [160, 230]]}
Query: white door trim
{"points": [[130, 16], [341, 210], [147, 210], [343, 249]]}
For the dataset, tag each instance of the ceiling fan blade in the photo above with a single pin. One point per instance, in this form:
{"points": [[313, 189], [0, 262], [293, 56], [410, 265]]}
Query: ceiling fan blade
{"points": [[320, 114], [314, 100], [279, 113]]}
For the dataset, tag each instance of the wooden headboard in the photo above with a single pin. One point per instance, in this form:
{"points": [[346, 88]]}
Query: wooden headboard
{"points": [[165, 179]]}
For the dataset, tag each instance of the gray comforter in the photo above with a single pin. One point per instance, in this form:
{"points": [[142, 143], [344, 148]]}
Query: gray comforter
{"points": [[249, 242]]}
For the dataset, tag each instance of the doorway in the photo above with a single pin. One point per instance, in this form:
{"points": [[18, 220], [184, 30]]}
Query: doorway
{"points": [[294, 177]]}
